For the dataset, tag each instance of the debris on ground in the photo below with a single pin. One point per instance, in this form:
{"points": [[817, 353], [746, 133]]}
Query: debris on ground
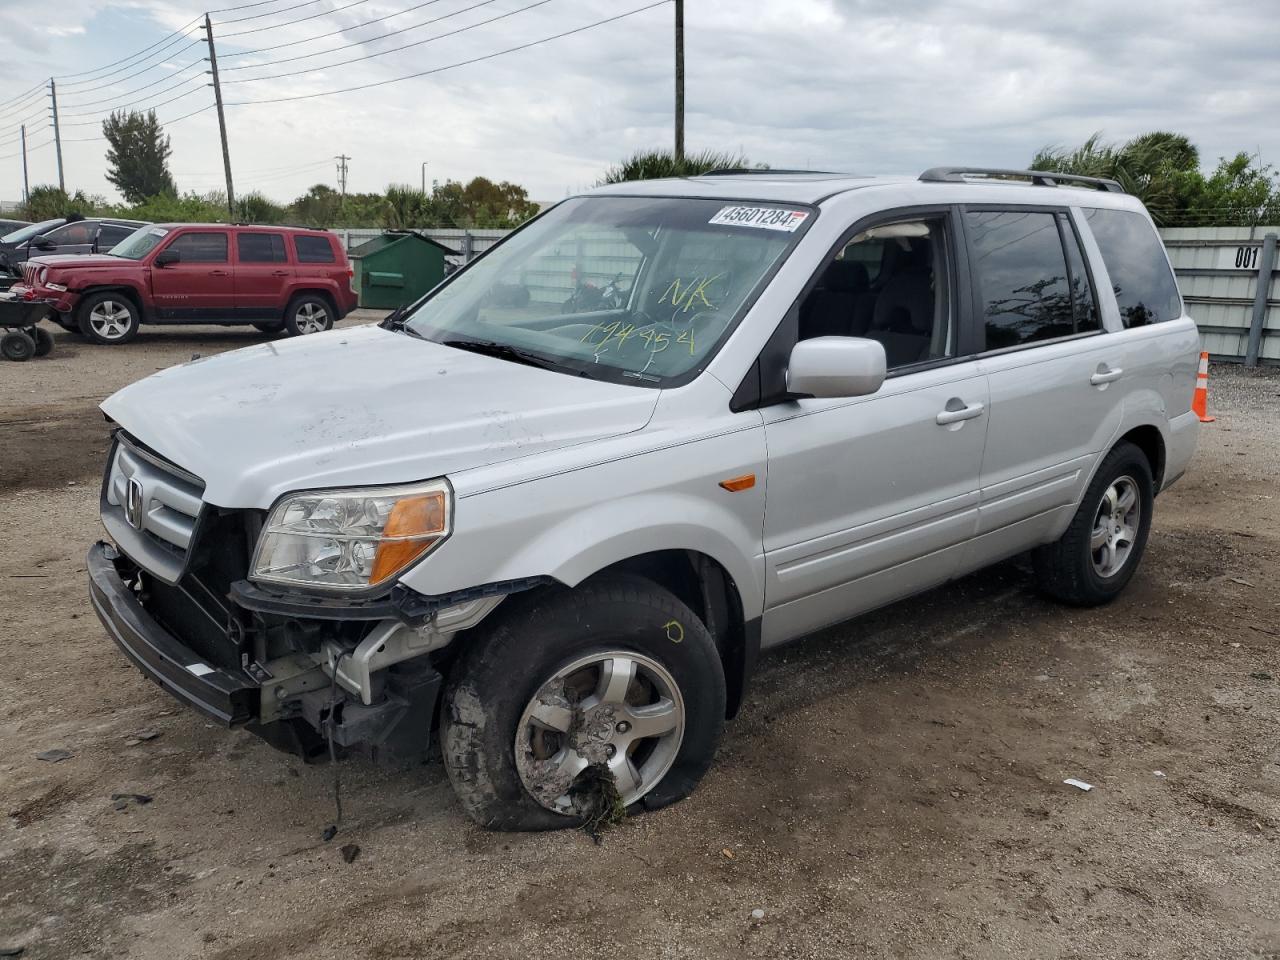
{"points": [[140, 736], [350, 851], [594, 796], [121, 800], [1073, 782], [1158, 773], [57, 755], [329, 833], [757, 914], [728, 853], [1261, 675], [11, 951]]}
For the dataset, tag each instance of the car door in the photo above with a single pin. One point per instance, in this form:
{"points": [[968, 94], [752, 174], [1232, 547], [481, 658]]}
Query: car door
{"points": [[263, 275], [200, 285], [872, 498], [72, 238], [1055, 376]]}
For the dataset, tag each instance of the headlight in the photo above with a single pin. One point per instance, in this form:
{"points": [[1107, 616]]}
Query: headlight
{"points": [[44, 274], [352, 540]]}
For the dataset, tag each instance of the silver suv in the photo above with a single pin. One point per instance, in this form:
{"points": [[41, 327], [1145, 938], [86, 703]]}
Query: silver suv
{"points": [[555, 509]]}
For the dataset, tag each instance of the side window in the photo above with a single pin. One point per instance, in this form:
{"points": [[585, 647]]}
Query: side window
{"points": [[1145, 289], [201, 247], [110, 235], [1022, 276], [260, 248], [73, 233], [1084, 305], [314, 249], [889, 283]]}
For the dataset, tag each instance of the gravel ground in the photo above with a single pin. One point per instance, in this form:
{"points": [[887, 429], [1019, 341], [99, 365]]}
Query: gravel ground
{"points": [[893, 787]]}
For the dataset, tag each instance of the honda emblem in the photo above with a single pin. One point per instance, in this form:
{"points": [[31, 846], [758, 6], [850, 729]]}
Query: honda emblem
{"points": [[133, 503]]}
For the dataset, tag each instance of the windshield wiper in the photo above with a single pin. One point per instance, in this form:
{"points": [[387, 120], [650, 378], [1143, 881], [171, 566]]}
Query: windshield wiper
{"points": [[504, 351]]}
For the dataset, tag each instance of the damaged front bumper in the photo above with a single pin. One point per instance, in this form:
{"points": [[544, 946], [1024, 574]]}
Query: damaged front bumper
{"points": [[297, 700]]}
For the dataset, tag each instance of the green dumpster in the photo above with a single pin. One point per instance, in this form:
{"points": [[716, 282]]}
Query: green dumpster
{"points": [[397, 268]]}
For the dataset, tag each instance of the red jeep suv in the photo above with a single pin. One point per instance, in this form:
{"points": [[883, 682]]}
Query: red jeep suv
{"points": [[276, 278]]}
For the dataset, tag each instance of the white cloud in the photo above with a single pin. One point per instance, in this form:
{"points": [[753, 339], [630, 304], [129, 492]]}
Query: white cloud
{"points": [[846, 84]]}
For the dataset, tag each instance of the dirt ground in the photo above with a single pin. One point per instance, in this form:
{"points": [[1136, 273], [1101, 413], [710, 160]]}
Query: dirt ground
{"points": [[893, 787]]}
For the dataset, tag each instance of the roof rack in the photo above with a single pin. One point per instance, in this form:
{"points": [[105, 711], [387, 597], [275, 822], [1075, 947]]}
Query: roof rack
{"points": [[1040, 178], [760, 171]]}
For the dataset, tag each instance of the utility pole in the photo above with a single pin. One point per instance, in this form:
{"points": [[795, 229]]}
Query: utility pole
{"points": [[26, 186], [342, 173], [57, 133], [424, 176], [222, 120], [679, 81]]}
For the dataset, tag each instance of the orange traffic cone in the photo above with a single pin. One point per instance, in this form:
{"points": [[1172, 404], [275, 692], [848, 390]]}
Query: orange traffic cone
{"points": [[1200, 399]]}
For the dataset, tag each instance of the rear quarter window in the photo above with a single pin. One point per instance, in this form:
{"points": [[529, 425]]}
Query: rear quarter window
{"points": [[314, 250], [1145, 289]]}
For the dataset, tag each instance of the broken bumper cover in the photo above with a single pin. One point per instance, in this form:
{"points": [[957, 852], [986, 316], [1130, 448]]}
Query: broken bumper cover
{"points": [[221, 695]]}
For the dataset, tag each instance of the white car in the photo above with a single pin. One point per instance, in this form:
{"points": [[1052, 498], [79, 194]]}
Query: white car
{"points": [[562, 502]]}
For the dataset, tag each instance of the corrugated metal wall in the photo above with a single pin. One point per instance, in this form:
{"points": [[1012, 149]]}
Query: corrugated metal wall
{"points": [[1217, 269]]}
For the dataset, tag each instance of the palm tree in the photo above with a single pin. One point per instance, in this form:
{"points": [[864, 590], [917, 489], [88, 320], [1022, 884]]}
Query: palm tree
{"points": [[653, 164]]}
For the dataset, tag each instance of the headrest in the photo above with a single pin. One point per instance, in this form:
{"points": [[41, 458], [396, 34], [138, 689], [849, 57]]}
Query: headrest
{"points": [[905, 305], [845, 276]]}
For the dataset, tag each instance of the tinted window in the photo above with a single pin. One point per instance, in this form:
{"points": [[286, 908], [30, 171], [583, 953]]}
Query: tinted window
{"points": [[888, 284], [73, 233], [260, 248], [1083, 303], [201, 247], [110, 235], [1022, 276], [314, 249], [1140, 276]]}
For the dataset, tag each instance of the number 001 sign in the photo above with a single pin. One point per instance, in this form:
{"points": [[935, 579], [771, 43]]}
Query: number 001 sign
{"points": [[1239, 258]]}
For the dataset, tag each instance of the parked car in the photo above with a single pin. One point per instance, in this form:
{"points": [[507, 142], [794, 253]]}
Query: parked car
{"points": [[275, 278], [568, 530], [76, 235]]}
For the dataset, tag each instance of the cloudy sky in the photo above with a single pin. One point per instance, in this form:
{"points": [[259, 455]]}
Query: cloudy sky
{"points": [[855, 85]]}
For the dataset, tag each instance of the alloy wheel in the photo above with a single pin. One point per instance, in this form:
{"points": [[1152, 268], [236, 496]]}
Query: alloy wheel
{"points": [[1115, 526], [312, 318], [111, 320], [616, 708]]}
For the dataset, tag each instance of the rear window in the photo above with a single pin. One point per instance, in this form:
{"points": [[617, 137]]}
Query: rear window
{"points": [[1140, 276], [260, 248], [314, 249]]}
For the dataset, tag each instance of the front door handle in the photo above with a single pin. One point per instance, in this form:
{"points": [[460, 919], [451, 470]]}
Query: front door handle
{"points": [[1105, 375], [957, 411], [218, 273], [279, 273]]}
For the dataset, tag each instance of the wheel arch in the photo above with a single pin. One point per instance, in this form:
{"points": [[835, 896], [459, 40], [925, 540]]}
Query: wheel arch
{"points": [[131, 293], [1148, 438], [315, 291]]}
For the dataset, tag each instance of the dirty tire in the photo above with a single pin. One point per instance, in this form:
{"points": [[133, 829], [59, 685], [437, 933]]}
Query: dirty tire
{"points": [[308, 313], [16, 345], [1065, 569], [530, 638], [44, 342]]}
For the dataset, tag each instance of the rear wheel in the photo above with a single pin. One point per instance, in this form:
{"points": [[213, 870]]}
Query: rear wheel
{"points": [[108, 318], [613, 691], [44, 341], [1100, 552], [308, 313], [16, 345]]}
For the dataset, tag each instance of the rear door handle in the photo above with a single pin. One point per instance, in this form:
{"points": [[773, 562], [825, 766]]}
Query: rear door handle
{"points": [[1105, 374], [956, 413], [279, 273], [218, 273]]}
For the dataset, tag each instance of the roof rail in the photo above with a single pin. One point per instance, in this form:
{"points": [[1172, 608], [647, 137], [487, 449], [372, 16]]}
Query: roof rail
{"points": [[1040, 178], [760, 171]]}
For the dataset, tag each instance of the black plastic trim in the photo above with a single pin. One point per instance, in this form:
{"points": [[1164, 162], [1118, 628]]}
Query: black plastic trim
{"points": [[229, 698]]}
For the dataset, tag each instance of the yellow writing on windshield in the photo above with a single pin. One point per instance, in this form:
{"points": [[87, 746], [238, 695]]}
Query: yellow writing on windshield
{"points": [[690, 294]]}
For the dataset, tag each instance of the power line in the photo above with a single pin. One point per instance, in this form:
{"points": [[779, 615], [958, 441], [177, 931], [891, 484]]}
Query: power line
{"points": [[98, 115], [360, 43], [272, 13], [25, 101], [406, 46], [129, 93], [452, 66], [290, 23], [17, 123], [331, 33], [181, 31], [163, 54]]}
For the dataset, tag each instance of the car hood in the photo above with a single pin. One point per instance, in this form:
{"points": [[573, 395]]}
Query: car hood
{"points": [[361, 406], [81, 261]]}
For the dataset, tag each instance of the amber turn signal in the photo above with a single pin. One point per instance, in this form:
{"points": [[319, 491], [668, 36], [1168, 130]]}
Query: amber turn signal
{"points": [[736, 484], [414, 526]]}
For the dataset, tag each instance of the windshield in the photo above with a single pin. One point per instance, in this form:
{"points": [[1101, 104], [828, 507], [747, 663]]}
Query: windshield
{"points": [[139, 243], [638, 289], [26, 233]]}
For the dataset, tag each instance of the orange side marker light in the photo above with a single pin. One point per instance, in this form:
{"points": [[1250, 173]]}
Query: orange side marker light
{"points": [[738, 484]]}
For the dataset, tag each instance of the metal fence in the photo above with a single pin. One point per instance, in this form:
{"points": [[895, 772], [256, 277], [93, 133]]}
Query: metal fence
{"points": [[1228, 279]]}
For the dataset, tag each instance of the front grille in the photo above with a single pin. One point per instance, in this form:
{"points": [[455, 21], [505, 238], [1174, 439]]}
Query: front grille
{"points": [[29, 273], [165, 499]]}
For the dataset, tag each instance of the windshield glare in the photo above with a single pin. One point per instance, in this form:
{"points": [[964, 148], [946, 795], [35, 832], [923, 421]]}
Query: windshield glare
{"points": [[630, 288], [139, 243], [26, 233]]}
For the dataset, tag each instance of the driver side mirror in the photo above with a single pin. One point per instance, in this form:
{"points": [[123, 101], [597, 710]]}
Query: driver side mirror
{"points": [[830, 367], [43, 243], [165, 257]]}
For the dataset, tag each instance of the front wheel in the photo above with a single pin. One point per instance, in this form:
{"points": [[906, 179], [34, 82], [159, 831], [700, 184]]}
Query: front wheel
{"points": [[1100, 552], [17, 345], [108, 318], [308, 314], [616, 681]]}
